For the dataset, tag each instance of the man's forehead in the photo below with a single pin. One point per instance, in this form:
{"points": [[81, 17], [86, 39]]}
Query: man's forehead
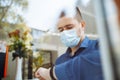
{"points": [[65, 20]]}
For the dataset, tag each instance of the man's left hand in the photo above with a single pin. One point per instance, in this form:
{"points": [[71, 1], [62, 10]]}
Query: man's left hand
{"points": [[43, 74]]}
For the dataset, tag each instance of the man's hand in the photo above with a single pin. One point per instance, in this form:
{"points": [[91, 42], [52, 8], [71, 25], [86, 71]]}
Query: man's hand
{"points": [[43, 74]]}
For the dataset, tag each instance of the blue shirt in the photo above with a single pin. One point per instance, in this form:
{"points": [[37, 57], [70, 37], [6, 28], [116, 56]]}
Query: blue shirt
{"points": [[84, 65]]}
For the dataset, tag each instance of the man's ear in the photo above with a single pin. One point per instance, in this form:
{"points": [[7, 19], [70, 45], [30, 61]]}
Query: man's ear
{"points": [[83, 24]]}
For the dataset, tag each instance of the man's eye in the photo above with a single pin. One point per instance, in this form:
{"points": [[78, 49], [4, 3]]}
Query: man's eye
{"points": [[60, 30], [69, 26]]}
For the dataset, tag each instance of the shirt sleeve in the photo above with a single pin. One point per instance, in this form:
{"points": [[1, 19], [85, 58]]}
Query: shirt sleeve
{"points": [[87, 67]]}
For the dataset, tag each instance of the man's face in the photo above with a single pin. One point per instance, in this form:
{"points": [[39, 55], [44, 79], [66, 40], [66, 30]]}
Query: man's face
{"points": [[66, 23]]}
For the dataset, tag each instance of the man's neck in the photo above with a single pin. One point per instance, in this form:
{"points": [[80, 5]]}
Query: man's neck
{"points": [[74, 49]]}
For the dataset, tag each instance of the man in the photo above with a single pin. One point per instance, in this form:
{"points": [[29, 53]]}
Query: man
{"points": [[81, 61]]}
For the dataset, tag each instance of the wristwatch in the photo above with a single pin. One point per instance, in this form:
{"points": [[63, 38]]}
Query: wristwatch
{"points": [[51, 73]]}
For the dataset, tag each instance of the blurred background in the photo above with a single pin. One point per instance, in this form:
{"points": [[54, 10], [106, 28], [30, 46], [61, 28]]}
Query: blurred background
{"points": [[40, 18]]}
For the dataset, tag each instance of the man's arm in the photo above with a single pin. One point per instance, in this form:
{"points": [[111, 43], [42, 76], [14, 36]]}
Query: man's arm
{"points": [[80, 67]]}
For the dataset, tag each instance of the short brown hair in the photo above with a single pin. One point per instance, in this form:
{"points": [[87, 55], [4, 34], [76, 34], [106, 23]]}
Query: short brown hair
{"points": [[78, 15]]}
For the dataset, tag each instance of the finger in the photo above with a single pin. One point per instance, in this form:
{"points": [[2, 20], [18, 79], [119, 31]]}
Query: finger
{"points": [[37, 75], [37, 72], [41, 78]]}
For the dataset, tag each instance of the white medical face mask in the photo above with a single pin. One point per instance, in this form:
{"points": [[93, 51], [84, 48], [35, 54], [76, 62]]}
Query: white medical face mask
{"points": [[70, 38]]}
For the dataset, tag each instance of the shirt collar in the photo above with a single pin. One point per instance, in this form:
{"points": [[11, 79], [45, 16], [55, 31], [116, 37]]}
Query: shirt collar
{"points": [[84, 44]]}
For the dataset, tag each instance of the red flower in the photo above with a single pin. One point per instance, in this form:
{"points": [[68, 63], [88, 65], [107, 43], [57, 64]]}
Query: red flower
{"points": [[17, 31], [10, 35]]}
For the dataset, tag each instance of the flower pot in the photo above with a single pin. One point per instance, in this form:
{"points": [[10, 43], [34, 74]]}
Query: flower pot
{"points": [[18, 75]]}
